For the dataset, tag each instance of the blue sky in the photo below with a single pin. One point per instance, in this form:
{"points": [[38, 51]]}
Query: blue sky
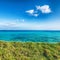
{"points": [[30, 14]]}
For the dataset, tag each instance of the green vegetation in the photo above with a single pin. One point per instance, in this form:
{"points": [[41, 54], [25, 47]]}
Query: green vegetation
{"points": [[29, 51]]}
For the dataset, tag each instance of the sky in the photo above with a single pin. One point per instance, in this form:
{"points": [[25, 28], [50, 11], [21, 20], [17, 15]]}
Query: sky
{"points": [[29, 14]]}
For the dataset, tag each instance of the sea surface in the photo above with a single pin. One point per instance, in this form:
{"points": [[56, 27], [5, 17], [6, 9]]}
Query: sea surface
{"points": [[30, 35]]}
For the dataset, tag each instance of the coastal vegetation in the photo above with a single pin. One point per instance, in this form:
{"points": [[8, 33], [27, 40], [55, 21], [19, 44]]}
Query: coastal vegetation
{"points": [[29, 51]]}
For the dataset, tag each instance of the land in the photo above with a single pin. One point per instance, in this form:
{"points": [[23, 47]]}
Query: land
{"points": [[29, 51]]}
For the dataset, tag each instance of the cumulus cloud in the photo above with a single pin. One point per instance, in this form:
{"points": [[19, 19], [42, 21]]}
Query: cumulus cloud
{"points": [[44, 8]]}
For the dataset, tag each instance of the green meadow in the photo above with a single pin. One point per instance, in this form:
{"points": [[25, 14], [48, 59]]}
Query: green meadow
{"points": [[29, 51]]}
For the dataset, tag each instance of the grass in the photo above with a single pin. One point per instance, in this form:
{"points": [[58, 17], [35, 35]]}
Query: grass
{"points": [[29, 51]]}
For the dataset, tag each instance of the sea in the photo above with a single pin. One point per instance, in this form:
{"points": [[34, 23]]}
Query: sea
{"points": [[30, 35]]}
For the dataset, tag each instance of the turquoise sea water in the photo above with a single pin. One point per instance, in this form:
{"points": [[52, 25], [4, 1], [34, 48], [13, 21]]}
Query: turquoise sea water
{"points": [[28, 36]]}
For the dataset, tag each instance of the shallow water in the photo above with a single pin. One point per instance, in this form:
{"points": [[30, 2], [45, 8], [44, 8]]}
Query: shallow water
{"points": [[30, 36]]}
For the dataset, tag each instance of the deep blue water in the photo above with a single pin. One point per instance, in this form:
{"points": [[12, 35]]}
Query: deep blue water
{"points": [[30, 35]]}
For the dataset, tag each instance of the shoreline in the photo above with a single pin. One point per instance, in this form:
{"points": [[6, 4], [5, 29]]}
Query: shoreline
{"points": [[29, 42], [26, 41]]}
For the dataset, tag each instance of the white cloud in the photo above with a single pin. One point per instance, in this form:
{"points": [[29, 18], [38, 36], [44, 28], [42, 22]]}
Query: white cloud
{"points": [[50, 25], [30, 11], [35, 15], [44, 8]]}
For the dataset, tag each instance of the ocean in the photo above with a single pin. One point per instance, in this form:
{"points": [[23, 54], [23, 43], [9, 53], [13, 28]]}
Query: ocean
{"points": [[30, 35]]}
